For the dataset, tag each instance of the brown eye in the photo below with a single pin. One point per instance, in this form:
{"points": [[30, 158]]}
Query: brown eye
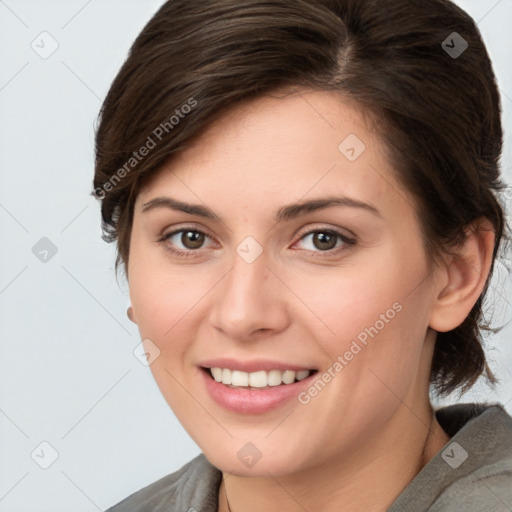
{"points": [[184, 242], [325, 240], [192, 239]]}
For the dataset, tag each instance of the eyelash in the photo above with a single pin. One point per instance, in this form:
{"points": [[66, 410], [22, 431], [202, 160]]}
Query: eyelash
{"points": [[192, 252]]}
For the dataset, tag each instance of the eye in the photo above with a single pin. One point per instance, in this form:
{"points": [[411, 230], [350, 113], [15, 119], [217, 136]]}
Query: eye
{"points": [[189, 238], [326, 240]]}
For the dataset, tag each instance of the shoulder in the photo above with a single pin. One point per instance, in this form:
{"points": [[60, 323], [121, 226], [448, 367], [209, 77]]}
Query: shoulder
{"points": [[489, 489], [192, 487], [484, 446], [473, 471]]}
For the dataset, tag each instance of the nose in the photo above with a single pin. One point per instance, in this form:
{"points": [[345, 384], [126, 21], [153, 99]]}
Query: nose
{"points": [[250, 300]]}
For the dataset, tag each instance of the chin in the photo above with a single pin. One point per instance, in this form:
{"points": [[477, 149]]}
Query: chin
{"points": [[248, 461]]}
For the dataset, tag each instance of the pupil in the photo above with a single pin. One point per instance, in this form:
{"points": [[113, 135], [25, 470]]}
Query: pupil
{"points": [[325, 238], [192, 239]]}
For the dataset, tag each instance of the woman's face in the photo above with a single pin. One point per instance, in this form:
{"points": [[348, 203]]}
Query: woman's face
{"points": [[298, 251]]}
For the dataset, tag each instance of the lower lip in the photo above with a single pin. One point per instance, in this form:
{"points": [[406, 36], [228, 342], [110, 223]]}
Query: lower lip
{"points": [[253, 400]]}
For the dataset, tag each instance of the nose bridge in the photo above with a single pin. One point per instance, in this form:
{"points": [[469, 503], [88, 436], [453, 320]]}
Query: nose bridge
{"points": [[245, 299], [249, 274]]}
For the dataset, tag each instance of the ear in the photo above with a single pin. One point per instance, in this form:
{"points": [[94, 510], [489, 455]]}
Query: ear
{"points": [[463, 277], [131, 316]]}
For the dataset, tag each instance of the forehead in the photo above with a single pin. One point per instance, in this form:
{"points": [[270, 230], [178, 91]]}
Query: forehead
{"points": [[282, 148]]}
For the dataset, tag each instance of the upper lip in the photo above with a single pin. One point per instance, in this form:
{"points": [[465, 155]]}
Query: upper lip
{"points": [[252, 366]]}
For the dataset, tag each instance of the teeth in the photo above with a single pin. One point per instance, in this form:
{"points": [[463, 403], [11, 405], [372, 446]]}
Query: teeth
{"points": [[274, 377], [288, 376], [302, 374], [217, 374], [257, 379], [226, 376], [239, 378], [260, 379]]}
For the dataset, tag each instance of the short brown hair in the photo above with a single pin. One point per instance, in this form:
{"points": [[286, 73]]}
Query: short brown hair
{"points": [[438, 112]]}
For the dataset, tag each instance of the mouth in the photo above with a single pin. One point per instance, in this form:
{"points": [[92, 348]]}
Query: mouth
{"points": [[260, 379], [254, 386]]}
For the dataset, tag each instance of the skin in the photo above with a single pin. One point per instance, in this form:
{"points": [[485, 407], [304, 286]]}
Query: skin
{"points": [[359, 442]]}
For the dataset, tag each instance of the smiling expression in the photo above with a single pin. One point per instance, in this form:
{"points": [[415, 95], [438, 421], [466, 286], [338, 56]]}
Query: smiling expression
{"points": [[274, 242]]}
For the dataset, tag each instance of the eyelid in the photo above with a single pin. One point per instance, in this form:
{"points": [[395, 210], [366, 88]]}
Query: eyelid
{"points": [[325, 228], [190, 226]]}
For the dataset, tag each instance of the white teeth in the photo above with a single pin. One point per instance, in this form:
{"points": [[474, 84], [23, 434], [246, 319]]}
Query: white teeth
{"points": [[226, 376], [302, 374], [260, 379], [274, 377], [239, 378], [217, 374], [288, 376]]}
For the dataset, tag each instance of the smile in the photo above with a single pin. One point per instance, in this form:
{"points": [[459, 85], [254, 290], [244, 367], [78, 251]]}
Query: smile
{"points": [[259, 379], [256, 391]]}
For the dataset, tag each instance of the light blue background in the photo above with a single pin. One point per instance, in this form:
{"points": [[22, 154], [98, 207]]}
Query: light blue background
{"points": [[67, 371]]}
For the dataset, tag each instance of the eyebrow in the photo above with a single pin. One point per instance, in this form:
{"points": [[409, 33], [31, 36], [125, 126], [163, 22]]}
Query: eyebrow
{"points": [[284, 213]]}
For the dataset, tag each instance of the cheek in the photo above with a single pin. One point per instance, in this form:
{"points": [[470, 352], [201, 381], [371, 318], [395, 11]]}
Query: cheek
{"points": [[373, 315], [166, 307], [163, 300], [344, 302], [161, 293]]}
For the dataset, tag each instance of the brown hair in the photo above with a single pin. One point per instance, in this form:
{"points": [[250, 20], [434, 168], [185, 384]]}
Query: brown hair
{"points": [[438, 112]]}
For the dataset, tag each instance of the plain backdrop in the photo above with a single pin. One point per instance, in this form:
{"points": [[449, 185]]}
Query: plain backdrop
{"points": [[68, 375]]}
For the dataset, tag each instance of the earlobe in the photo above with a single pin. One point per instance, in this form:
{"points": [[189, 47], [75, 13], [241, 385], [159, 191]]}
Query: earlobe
{"points": [[130, 315], [465, 277]]}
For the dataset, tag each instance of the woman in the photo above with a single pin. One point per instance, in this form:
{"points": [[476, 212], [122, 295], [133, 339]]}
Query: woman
{"points": [[303, 196]]}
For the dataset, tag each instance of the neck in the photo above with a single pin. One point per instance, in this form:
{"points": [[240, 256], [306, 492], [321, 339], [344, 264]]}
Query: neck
{"points": [[369, 480]]}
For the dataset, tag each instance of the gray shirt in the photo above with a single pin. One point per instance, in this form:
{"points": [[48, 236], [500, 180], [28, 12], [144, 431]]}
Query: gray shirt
{"points": [[471, 473]]}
